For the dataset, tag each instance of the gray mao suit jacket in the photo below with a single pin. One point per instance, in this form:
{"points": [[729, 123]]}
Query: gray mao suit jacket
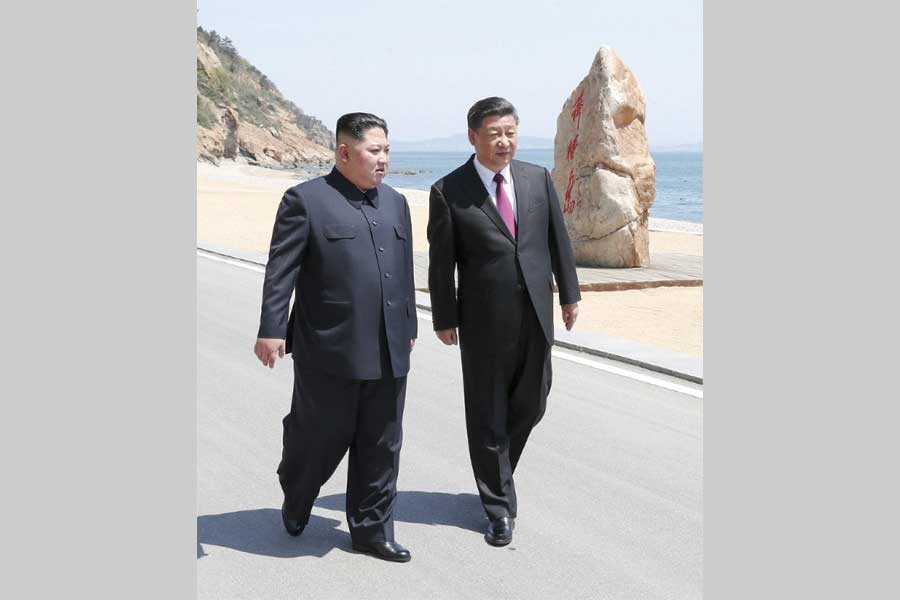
{"points": [[347, 259]]}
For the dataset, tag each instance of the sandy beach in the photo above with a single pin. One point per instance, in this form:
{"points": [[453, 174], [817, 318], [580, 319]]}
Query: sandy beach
{"points": [[236, 206]]}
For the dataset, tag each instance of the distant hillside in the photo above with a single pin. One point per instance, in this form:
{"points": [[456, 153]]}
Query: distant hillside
{"points": [[240, 113], [696, 147], [460, 143]]}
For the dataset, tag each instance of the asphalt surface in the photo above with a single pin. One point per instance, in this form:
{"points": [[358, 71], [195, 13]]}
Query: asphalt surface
{"points": [[609, 485]]}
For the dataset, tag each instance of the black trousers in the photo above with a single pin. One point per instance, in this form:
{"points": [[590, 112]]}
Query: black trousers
{"points": [[328, 417], [505, 396]]}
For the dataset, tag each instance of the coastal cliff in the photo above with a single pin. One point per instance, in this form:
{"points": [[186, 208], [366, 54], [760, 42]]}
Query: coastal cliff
{"points": [[242, 115]]}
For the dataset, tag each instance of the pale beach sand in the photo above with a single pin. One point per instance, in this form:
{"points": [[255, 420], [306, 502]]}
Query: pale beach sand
{"points": [[236, 207]]}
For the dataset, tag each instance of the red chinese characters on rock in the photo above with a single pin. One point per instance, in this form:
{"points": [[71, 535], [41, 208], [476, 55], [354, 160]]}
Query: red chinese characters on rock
{"points": [[570, 149], [577, 107], [569, 206]]}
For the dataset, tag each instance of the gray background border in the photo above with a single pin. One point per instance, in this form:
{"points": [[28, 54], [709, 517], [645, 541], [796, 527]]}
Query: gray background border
{"points": [[800, 493], [99, 309]]}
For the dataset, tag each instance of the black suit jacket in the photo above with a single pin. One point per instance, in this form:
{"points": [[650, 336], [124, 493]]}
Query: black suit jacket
{"points": [[348, 267], [466, 232]]}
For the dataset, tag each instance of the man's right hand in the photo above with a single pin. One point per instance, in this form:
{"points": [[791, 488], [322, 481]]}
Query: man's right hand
{"points": [[448, 336], [268, 349]]}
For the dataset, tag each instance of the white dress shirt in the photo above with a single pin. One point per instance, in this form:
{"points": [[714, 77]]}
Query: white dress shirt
{"points": [[487, 178]]}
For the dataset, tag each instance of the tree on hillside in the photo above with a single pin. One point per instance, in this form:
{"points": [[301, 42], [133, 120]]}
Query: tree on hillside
{"points": [[226, 46]]}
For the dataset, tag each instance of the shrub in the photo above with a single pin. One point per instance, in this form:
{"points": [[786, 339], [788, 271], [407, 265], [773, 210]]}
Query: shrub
{"points": [[205, 116]]}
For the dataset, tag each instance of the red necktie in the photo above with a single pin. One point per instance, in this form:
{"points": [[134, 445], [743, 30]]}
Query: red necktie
{"points": [[504, 207]]}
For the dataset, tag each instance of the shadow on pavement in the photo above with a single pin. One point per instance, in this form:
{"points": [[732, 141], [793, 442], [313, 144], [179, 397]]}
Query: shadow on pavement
{"points": [[260, 531], [428, 508]]}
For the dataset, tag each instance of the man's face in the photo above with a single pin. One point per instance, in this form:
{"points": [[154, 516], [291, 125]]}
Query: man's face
{"points": [[365, 162], [495, 141]]}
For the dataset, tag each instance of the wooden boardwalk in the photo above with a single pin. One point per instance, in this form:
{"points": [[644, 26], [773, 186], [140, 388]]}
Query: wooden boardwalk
{"points": [[665, 270]]}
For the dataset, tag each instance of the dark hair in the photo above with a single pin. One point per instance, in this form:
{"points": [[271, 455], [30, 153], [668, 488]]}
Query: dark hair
{"points": [[490, 107], [357, 124]]}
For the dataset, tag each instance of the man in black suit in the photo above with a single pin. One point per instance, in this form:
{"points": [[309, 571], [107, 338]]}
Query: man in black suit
{"points": [[497, 221], [343, 244]]}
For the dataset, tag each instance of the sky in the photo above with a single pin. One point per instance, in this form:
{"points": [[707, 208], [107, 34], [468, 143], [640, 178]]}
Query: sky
{"points": [[421, 64]]}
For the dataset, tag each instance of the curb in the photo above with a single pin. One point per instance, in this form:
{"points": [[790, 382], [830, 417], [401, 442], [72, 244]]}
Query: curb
{"points": [[689, 368]]}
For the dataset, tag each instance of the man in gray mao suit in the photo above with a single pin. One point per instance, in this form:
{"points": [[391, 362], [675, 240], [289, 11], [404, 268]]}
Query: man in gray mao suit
{"points": [[342, 244]]}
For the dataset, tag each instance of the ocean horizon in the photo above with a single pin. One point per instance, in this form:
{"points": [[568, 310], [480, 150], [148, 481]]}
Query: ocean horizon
{"points": [[679, 176]]}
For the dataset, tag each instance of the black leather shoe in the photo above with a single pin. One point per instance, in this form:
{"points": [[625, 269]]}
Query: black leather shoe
{"points": [[293, 526], [499, 532], [391, 551]]}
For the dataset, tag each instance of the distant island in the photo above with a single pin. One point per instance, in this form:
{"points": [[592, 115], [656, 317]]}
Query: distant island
{"points": [[695, 147], [460, 143]]}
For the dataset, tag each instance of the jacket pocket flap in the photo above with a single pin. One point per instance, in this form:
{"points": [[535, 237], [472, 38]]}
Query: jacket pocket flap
{"points": [[340, 231], [401, 231]]}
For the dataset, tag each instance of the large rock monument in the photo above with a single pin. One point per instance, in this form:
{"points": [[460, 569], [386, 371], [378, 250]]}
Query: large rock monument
{"points": [[602, 169]]}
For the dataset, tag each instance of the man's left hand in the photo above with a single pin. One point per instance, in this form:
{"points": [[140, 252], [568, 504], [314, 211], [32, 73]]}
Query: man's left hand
{"points": [[569, 315], [412, 342]]}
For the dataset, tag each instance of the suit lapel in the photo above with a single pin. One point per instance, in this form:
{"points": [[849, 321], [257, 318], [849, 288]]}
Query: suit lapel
{"points": [[482, 199], [522, 192]]}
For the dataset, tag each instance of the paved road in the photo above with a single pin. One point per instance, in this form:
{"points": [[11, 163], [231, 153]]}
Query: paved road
{"points": [[610, 484]]}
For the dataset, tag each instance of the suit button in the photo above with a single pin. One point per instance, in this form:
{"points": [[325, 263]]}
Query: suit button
{"points": [[519, 287], [381, 249], [387, 275], [389, 303], [375, 223]]}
